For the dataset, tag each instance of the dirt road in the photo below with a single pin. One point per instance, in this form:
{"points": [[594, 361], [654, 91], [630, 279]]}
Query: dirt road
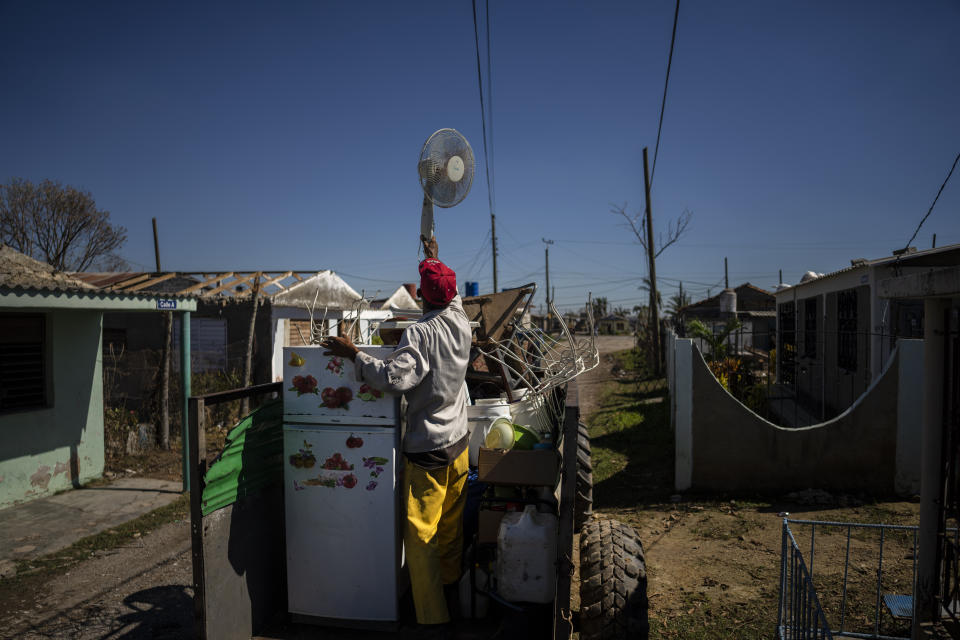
{"points": [[590, 383], [137, 591]]}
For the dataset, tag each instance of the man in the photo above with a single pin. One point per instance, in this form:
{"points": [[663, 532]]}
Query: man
{"points": [[429, 367]]}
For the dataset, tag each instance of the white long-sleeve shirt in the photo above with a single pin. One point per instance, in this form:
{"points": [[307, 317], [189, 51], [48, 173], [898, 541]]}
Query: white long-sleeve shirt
{"points": [[429, 367]]}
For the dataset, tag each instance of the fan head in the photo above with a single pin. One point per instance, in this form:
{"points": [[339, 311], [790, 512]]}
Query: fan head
{"points": [[446, 167]]}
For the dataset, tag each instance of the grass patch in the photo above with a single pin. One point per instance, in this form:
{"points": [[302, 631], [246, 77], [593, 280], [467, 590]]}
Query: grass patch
{"points": [[631, 439]]}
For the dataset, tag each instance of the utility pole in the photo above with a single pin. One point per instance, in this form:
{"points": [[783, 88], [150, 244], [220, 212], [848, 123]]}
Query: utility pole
{"points": [[934, 241], [546, 252], [493, 236], [654, 316], [781, 276], [726, 278], [164, 357]]}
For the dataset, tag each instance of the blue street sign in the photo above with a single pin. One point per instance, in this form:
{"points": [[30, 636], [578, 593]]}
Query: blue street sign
{"points": [[166, 305]]}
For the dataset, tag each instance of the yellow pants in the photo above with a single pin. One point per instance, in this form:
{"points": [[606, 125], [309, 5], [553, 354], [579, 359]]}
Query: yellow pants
{"points": [[433, 535]]}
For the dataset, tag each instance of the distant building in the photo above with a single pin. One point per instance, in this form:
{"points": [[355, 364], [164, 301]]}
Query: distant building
{"points": [[754, 307]]}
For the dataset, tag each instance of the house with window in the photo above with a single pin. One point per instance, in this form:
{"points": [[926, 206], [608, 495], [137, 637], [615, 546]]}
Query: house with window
{"points": [[613, 324], [51, 374], [754, 307], [835, 333]]}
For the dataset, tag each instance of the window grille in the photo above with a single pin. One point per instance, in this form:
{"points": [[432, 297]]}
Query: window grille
{"points": [[23, 367], [810, 328], [787, 350], [847, 330]]}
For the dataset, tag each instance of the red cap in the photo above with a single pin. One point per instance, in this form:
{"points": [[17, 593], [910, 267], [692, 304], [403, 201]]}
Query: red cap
{"points": [[438, 282]]}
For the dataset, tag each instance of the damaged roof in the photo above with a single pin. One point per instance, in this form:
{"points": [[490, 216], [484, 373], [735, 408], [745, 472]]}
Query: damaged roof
{"points": [[324, 289], [30, 284], [284, 288], [20, 271]]}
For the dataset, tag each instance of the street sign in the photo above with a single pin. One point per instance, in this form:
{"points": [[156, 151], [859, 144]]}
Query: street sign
{"points": [[166, 305]]}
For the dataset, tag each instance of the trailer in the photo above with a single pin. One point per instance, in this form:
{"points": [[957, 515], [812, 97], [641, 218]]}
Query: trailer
{"points": [[237, 513]]}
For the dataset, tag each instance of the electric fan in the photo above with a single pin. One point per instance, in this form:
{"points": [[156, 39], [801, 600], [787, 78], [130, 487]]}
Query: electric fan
{"points": [[446, 173]]}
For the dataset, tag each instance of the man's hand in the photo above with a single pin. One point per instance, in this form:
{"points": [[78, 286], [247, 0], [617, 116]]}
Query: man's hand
{"points": [[339, 346], [430, 249]]}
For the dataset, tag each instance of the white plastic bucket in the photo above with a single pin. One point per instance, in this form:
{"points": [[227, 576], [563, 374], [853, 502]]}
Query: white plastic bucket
{"points": [[479, 418], [526, 556], [532, 411]]}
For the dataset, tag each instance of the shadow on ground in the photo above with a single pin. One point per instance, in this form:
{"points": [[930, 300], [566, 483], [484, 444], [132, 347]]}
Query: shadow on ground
{"points": [[158, 612]]}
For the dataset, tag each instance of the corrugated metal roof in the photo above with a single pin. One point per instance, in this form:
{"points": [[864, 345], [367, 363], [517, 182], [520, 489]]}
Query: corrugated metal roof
{"points": [[944, 256], [19, 271], [252, 459]]}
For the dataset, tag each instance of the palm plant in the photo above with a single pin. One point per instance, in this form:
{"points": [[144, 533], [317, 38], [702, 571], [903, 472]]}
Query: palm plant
{"points": [[716, 341]]}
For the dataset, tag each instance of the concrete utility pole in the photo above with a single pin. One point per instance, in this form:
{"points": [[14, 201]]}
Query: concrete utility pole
{"points": [[546, 251], [493, 238], [654, 315], [726, 278], [935, 327]]}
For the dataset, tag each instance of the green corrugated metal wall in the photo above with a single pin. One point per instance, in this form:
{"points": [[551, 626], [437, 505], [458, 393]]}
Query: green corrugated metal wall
{"points": [[251, 460]]}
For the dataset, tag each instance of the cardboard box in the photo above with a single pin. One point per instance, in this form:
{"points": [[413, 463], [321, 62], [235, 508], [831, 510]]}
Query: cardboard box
{"points": [[489, 526], [538, 467]]}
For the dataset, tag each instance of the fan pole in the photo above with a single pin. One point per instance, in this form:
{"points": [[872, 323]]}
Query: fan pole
{"points": [[654, 316], [546, 251], [493, 237]]}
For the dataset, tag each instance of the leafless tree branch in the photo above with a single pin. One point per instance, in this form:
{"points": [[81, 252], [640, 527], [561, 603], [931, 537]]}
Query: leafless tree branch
{"points": [[60, 225], [635, 222], [675, 229]]}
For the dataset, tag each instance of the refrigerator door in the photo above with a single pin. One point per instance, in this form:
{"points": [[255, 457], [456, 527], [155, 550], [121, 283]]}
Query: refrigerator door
{"points": [[325, 389], [343, 548]]}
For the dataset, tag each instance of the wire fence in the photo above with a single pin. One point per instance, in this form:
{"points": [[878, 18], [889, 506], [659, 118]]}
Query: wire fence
{"points": [[132, 403]]}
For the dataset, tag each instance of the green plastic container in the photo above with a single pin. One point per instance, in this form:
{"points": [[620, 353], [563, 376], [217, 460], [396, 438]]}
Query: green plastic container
{"points": [[523, 437]]}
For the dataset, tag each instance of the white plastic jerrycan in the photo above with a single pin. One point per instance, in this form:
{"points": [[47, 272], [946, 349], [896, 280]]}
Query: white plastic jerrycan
{"points": [[526, 556]]}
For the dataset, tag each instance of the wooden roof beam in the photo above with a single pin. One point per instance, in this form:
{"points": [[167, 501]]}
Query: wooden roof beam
{"points": [[275, 280], [238, 281], [152, 281], [207, 283], [123, 284]]}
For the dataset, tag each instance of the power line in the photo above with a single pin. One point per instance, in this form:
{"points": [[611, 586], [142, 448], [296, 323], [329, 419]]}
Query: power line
{"points": [[483, 122], [493, 175], [663, 104], [930, 210]]}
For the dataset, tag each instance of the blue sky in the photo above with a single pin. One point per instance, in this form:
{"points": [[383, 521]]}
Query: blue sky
{"points": [[286, 136]]}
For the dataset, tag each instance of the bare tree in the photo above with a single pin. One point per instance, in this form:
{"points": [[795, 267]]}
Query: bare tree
{"points": [[635, 222], [60, 225]]}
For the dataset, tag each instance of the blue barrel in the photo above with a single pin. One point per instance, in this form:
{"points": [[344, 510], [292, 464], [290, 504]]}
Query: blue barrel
{"points": [[473, 288]]}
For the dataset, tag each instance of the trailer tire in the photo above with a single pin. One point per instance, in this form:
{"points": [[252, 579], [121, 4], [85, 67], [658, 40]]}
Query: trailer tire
{"points": [[613, 582], [583, 503]]}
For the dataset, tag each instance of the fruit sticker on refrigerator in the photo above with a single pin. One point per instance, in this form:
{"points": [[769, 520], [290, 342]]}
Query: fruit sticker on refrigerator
{"points": [[338, 398], [336, 366], [303, 385], [368, 393], [348, 481], [336, 462], [303, 459]]}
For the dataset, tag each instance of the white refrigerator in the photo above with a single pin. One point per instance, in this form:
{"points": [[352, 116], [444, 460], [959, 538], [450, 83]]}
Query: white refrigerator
{"points": [[341, 444]]}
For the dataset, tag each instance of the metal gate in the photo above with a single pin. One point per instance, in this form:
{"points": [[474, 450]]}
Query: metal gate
{"points": [[950, 511]]}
